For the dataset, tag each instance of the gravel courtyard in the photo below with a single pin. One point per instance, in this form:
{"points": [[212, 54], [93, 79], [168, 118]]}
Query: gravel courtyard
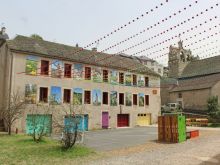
{"points": [[204, 150]]}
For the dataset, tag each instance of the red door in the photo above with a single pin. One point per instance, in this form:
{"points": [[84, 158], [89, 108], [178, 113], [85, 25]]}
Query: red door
{"points": [[123, 120]]}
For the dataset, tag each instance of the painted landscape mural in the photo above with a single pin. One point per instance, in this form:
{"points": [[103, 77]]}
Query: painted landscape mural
{"points": [[141, 81], [78, 71], [97, 74], [30, 93], [56, 68], [128, 98], [128, 79], [55, 95], [113, 98], [31, 65], [141, 99], [77, 96], [113, 77], [96, 97]]}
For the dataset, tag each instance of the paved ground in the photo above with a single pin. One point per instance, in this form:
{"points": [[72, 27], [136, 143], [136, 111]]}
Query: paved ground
{"points": [[103, 140], [204, 150]]}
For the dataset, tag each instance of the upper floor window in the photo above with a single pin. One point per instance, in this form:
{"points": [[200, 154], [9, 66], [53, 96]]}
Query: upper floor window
{"points": [[159, 70], [66, 95], [180, 95], [134, 79], [44, 67], [121, 78], [87, 97], [88, 73], [43, 96], [105, 75], [67, 70], [105, 98], [146, 99], [146, 82], [121, 98], [134, 99]]}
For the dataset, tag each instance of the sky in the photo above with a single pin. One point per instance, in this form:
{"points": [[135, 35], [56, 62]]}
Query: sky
{"points": [[82, 22]]}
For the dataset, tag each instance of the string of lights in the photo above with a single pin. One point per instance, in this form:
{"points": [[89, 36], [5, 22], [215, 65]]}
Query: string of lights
{"points": [[149, 28]]}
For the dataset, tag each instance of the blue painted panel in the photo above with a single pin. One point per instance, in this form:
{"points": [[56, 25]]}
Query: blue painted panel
{"points": [[82, 123]]}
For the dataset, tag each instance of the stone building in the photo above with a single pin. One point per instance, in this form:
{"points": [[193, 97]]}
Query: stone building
{"points": [[190, 81], [112, 91]]}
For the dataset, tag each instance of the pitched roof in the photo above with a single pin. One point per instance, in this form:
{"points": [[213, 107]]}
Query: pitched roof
{"points": [[202, 67], [197, 83], [61, 51]]}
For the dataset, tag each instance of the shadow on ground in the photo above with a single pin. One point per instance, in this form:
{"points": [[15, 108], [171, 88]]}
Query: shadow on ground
{"points": [[213, 161]]}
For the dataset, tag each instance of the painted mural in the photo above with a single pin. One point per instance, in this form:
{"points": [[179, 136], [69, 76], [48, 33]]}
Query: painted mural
{"points": [[96, 97], [97, 74], [77, 96], [78, 71], [113, 77], [113, 98], [55, 95], [56, 68], [141, 99], [128, 79], [31, 65], [141, 81], [30, 93], [128, 98]]}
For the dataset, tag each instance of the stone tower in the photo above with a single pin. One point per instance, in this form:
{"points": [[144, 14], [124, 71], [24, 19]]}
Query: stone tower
{"points": [[178, 59]]}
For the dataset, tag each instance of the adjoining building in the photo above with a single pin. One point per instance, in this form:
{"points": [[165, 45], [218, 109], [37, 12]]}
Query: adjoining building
{"points": [[112, 91], [191, 81]]}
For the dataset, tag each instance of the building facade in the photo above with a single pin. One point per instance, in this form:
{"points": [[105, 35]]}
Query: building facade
{"points": [[109, 91], [190, 81]]}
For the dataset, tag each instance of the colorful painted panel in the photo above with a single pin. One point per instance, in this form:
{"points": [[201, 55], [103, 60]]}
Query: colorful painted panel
{"points": [[31, 65], [96, 97], [113, 77], [128, 98], [38, 123], [56, 68], [78, 71], [141, 99], [55, 95], [128, 79], [113, 98], [30, 93], [141, 81], [77, 96], [97, 74]]}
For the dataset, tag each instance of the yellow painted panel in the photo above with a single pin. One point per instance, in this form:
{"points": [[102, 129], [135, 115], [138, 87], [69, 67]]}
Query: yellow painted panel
{"points": [[144, 120]]}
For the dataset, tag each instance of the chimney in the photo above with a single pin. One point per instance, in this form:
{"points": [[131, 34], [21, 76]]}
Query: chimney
{"points": [[94, 49], [3, 34], [180, 43]]}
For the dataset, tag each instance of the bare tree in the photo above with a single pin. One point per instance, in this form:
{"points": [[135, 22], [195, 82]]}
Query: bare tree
{"points": [[66, 121], [13, 109]]}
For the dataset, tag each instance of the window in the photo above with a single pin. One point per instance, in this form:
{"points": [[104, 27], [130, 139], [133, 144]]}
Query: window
{"points": [[159, 70], [66, 95], [121, 98], [88, 73], [146, 99], [105, 98], [134, 79], [44, 67], [134, 99], [105, 75], [87, 97], [67, 70], [121, 78], [180, 95], [146, 82], [43, 95]]}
